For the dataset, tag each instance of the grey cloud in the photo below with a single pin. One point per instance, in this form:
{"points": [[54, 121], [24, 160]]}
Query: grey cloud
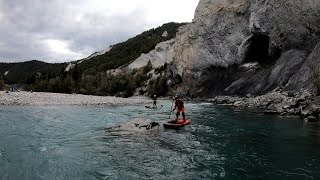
{"points": [[25, 24]]}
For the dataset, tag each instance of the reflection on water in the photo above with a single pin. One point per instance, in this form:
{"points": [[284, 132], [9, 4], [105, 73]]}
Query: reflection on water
{"points": [[106, 143]]}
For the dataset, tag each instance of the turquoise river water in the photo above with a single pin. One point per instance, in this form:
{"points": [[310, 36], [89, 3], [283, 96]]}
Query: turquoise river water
{"points": [[79, 142]]}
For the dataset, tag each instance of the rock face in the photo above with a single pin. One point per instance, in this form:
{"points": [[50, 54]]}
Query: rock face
{"points": [[280, 35], [304, 76], [264, 79], [212, 39], [163, 53]]}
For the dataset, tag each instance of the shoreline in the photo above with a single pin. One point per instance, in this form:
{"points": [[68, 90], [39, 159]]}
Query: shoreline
{"points": [[304, 104], [278, 102], [25, 98]]}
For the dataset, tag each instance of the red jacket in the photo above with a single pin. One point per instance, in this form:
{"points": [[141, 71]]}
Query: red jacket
{"points": [[179, 104]]}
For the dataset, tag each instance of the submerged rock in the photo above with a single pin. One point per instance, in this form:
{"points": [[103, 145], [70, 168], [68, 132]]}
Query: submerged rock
{"points": [[138, 124]]}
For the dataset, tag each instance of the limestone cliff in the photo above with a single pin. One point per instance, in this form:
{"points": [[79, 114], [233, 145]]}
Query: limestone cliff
{"points": [[162, 53], [211, 53]]}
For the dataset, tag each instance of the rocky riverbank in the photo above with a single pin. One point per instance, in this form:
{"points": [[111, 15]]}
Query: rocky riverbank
{"points": [[55, 99], [303, 103]]}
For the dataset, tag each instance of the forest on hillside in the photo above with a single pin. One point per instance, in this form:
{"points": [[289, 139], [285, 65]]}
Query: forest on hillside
{"points": [[91, 76]]}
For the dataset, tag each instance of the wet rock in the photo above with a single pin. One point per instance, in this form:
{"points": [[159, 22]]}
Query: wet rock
{"points": [[291, 94], [290, 111], [305, 113], [304, 104], [238, 103], [284, 114], [286, 107], [311, 119], [271, 112]]}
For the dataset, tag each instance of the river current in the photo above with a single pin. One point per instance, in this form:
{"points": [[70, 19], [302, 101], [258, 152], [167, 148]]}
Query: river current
{"points": [[86, 142]]}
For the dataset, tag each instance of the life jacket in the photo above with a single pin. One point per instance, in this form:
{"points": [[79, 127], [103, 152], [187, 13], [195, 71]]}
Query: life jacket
{"points": [[179, 103]]}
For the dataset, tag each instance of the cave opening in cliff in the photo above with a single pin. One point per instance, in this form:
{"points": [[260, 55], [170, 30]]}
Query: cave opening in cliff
{"points": [[258, 49]]}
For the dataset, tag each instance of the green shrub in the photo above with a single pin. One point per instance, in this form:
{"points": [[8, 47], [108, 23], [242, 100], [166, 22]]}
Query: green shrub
{"points": [[68, 85], [1, 84], [161, 69], [41, 86], [147, 68], [158, 86], [89, 84], [55, 85]]}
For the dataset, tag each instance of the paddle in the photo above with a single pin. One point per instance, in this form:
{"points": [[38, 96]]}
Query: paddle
{"points": [[171, 109]]}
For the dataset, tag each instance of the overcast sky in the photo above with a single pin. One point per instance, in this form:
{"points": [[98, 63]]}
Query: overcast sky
{"points": [[66, 30]]}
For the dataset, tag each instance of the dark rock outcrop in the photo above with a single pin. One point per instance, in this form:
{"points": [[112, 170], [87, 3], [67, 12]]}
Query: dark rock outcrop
{"points": [[213, 52], [304, 77], [265, 79], [303, 103]]}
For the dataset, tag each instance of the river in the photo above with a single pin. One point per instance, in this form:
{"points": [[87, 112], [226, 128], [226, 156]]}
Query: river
{"points": [[84, 142]]}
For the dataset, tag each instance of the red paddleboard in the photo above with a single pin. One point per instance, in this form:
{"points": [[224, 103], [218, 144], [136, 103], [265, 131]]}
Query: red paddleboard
{"points": [[184, 122], [172, 125], [178, 125]]}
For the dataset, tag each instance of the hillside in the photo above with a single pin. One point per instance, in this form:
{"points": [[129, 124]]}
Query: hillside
{"points": [[5, 67], [27, 72], [89, 75], [123, 53]]}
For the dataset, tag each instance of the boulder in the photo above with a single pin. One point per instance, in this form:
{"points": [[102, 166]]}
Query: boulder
{"points": [[291, 94], [238, 104], [305, 113], [311, 119]]}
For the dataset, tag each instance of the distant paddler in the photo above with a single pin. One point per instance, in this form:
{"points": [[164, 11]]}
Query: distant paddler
{"points": [[154, 101]]}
